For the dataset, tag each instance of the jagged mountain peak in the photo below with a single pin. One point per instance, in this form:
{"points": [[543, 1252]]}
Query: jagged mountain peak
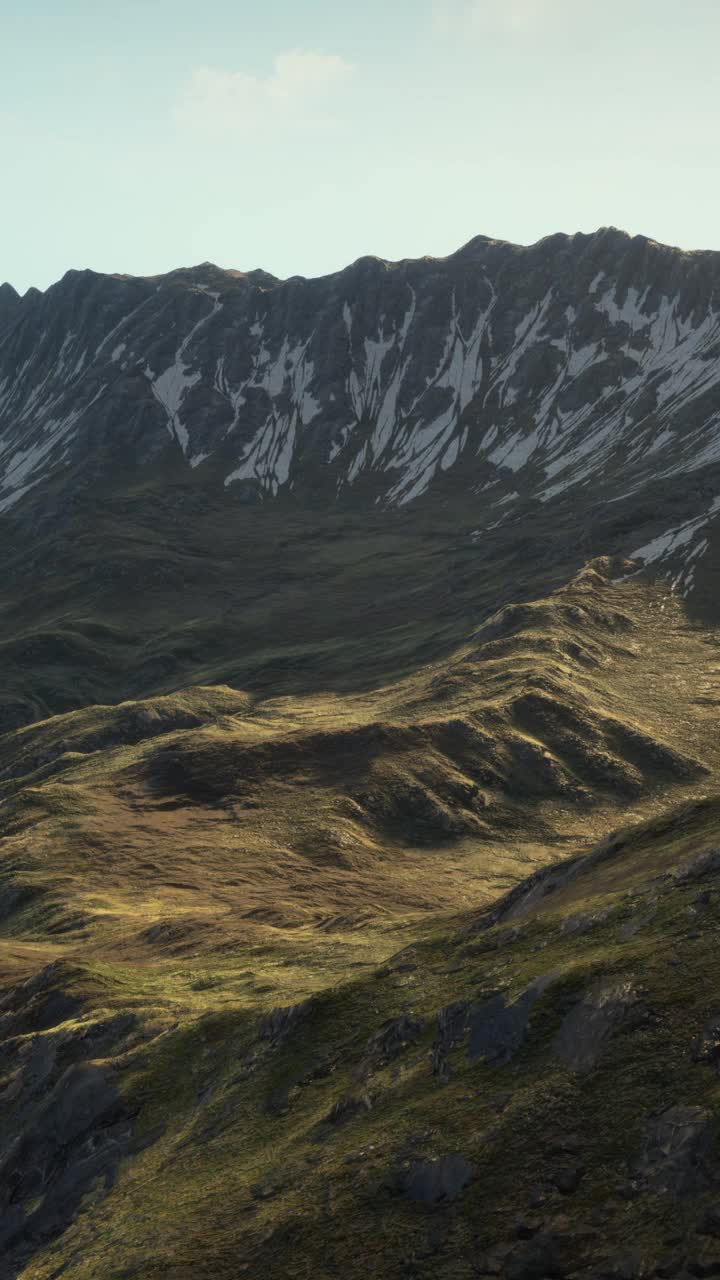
{"points": [[584, 367], [207, 274], [606, 239], [9, 302]]}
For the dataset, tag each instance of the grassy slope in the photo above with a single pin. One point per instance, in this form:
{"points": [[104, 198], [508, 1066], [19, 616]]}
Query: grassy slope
{"points": [[248, 1175], [199, 859]]}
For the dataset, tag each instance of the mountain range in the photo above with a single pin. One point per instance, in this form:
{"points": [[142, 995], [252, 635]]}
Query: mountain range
{"points": [[533, 372], [359, 823]]}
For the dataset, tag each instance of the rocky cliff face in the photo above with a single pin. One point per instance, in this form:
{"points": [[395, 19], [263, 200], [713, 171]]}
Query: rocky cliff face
{"points": [[581, 362]]}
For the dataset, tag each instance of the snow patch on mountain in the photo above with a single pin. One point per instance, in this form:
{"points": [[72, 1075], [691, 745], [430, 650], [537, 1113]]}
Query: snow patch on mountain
{"points": [[680, 546], [19, 465], [171, 386], [493, 372]]}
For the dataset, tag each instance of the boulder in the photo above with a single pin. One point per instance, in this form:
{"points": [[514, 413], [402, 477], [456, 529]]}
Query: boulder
{"points": [[677, 1156], [433, 1182], [588, 1027], [494, 1029]]}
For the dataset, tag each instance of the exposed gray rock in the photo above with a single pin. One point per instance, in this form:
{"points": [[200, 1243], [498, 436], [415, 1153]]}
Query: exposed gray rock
{"points": [[39, 1003], [282, 1023], [347, 1109], [452, 1025], [36, 1059], [76, 1136], [539, 887], [498, 1030], [588, 1027], [631, 927], [268, 1190], [697, 868], [584, 922], [64, 1125], [392, 1040], [433, 1182], [679, 1152], [493, 1029], [707, 1045]]}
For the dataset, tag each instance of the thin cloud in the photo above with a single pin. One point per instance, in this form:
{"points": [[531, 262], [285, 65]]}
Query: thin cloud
{"points": [[478, 15], [298, 92]]}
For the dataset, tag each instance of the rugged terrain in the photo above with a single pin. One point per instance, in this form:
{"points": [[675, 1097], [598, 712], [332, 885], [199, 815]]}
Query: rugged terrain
{"points": [[359, 815]]}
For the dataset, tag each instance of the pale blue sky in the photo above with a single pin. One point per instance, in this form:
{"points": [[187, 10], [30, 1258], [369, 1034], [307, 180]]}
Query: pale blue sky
{"points": [[296, 135]]}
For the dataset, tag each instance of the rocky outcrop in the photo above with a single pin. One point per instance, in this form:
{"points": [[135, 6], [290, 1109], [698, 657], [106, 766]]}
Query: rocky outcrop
{"points": [[434, 1182], [587, 1028], [64, 1123], [493, 1030], [680, 1151], [392, 1040]]}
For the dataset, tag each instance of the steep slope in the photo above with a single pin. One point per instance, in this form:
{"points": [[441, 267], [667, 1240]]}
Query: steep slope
{"points": [[198, 889], [513, 373], [528, 1092]]}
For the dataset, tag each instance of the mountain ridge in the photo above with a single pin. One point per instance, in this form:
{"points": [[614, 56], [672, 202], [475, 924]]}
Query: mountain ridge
{"points": [[372, 383], [477, 241]]}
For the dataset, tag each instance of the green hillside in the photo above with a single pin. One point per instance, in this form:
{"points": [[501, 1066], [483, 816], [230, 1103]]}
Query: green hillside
{"points": [[281, 999]]}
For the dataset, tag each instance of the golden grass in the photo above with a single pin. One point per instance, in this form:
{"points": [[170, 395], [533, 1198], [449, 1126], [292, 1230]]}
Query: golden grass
{"points": [[207, 856]]}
